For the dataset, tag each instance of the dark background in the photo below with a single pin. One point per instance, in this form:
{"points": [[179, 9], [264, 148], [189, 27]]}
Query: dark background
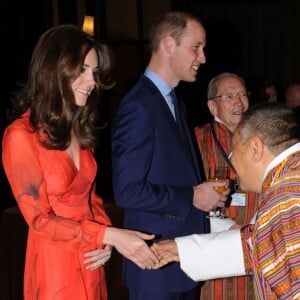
{"points": [[257, 39]]}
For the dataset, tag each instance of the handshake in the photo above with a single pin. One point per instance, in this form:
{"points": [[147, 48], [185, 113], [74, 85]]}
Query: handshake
{"points": [[157, 255], [166, 251]]}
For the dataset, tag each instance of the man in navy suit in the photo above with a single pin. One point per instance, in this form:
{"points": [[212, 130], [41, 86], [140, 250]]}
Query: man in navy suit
{"points": [[155, 170]]}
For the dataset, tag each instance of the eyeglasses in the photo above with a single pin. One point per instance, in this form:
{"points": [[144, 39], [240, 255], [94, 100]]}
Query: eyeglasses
{"points": [[230, 96]]}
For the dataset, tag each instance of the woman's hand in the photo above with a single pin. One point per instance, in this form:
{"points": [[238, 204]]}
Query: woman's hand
{"points": [[131, 244], [97, 258]]}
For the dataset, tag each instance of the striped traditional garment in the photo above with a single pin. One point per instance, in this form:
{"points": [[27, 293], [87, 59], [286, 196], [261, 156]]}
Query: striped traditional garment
{"points": [[235, 288], [272, 245]]}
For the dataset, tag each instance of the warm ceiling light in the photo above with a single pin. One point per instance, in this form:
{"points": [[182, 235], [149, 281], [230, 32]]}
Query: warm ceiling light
{"points": [[88, 25]]}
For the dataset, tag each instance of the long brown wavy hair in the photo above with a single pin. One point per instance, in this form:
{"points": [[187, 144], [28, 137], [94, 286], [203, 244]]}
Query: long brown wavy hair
{"points": [[57, 60]]}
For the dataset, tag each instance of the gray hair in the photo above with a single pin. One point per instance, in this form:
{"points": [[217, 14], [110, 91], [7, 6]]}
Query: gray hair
{"points": [[212, 87], [275, 124]]}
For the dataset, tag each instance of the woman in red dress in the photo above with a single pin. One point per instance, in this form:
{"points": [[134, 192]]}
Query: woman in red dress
{"points": [[48, 159]]}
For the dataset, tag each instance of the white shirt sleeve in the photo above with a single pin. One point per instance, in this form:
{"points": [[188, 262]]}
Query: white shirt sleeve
{"points": [[212, 255]]}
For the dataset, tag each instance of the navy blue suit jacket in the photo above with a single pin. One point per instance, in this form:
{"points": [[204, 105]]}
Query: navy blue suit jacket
{"points": [[154, 170]]}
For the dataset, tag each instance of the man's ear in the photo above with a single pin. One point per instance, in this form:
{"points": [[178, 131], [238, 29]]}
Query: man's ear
{"points": [[212, 107], [168, 43], [257, 148]]}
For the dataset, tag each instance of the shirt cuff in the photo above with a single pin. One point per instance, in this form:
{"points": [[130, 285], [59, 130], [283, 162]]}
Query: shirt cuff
{"points": [[219, 224], [211, 256]]}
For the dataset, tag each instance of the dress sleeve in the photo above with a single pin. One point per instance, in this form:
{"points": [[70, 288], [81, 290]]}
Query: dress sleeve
{"points": [[98, 209], [25, 176]]}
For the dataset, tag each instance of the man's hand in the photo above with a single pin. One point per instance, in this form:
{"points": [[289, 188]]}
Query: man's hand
{"points": [[166, 251], [207, 198]]}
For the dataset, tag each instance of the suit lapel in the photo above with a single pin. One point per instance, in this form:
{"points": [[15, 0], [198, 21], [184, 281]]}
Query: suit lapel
{"points": [[164, 108], [185, 144]]}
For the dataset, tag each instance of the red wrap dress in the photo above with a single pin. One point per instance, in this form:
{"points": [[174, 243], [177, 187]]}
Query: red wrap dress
{"points": [[65, 216]]}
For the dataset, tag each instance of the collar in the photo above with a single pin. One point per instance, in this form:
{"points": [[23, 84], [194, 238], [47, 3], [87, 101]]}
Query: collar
{"points": [[163, 87], [218, 120], [281, 157]]}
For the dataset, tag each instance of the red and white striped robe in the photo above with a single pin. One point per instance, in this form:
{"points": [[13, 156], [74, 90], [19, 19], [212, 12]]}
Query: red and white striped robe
{"points": [[272, 244]]}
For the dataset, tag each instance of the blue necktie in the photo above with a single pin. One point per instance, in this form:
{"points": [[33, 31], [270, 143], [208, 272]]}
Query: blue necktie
{"points": [[177, 113]]}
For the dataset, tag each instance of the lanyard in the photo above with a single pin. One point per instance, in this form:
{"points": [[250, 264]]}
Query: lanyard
{"points": [[221, 148]]}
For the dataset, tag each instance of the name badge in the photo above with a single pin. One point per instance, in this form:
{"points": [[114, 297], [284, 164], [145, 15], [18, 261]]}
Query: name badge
{"points": [[238, 199]]}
